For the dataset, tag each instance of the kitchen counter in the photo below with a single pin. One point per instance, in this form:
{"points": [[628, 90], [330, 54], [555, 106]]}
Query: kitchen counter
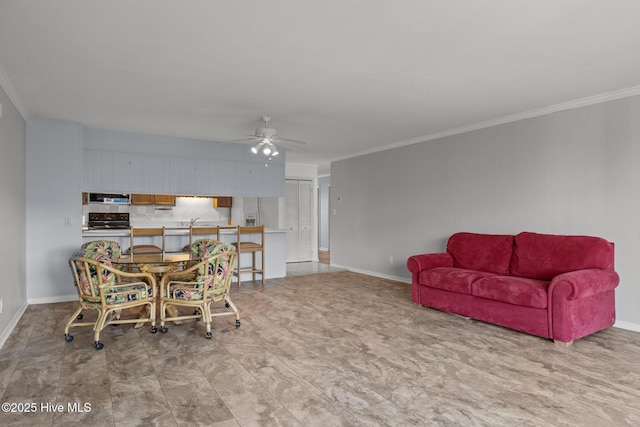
{"points": [[171, 231], [177, 237]]}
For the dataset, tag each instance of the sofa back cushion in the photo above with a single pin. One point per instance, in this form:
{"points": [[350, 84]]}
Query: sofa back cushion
{"points": [[544, 256], [482, 252]]}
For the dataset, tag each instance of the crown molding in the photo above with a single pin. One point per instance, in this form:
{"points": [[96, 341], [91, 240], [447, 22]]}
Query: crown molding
{"points": [[5, 83], [570, 105]]}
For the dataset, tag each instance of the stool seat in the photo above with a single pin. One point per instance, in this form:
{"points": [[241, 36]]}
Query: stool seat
{"points": [[248, 245], [144, 249]]}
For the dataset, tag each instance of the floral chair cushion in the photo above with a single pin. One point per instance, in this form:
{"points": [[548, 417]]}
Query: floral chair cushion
{"points": [[211, 276], [105, 251], [204, 248]]}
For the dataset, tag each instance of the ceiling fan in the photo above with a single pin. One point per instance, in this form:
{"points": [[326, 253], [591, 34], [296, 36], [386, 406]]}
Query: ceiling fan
{"points": [[266, 138]]}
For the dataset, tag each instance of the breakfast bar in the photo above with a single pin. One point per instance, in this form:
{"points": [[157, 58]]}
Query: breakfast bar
{"points": [[177, 238]]}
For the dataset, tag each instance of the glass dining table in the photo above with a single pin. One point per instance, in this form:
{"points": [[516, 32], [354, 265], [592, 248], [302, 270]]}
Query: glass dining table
{"points": [[157, 264]]}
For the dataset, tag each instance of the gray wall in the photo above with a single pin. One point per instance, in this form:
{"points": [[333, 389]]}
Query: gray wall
{"points": [[572, 172], [12, 215], [54, 157]]}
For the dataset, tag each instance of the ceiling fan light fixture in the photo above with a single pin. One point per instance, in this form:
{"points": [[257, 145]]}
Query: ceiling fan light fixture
{"points": [[256, 148], [266, 150]]}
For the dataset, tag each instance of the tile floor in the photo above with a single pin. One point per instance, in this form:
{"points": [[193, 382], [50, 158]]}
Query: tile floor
{"points": [[303, 268], [335, 349]]}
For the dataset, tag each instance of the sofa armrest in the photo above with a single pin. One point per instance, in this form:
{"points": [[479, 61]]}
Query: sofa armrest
{"points": [[583, 283], [418, 263]]}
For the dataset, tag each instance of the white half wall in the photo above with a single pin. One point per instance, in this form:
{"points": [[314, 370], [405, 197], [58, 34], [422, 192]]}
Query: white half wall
{"points": [[570, 172]]}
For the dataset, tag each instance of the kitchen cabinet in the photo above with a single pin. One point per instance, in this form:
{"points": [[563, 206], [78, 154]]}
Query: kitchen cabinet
{"points": [[153, 199], [164, 199], [142, 199], [222, 202], [183, 176], [105, 171], [149, 174], [141, 173]]}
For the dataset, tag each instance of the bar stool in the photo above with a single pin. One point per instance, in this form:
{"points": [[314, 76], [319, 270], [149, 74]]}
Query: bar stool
{"points": [[146, 249], [212, 232], [245, 243]]}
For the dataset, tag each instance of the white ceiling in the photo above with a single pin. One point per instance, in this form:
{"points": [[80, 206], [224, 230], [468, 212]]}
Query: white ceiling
{"points": [[346, 76]]}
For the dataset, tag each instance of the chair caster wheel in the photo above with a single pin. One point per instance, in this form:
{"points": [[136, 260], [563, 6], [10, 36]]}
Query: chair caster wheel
{"points": [[237, 323], [154, 329], [226, 304], [99, 345], [79, 317], [209, 335], [68, 338], [164, 329]]}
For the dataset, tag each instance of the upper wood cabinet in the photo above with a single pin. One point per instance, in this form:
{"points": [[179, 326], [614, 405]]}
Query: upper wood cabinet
{"points": [[153, 199], [164, 199], [142, 199], [222, 202]]}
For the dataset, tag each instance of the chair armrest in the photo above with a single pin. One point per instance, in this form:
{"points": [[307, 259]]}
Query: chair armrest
{"points": [[181, 274], [583, 283], [418, 263], [125, 280]]}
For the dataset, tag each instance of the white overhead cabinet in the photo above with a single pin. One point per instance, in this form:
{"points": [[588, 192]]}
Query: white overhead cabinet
{"points": [[119, 172], [147, 174], [107, 170]]}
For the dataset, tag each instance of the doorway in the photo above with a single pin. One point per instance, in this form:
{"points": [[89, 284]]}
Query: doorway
{"points": [[324, 196], [298, 202]]}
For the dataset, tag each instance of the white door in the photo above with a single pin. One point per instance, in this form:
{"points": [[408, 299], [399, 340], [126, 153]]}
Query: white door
{"points": [[298, 208]]}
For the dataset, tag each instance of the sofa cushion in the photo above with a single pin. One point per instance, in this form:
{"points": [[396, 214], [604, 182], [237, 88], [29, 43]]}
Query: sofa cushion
{"points": [[544, 256], [482, 252], [512, 290], [451, 279]]}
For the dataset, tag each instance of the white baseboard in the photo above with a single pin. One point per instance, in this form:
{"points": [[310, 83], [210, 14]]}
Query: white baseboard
{"points": [[49, 300], [374, 274], [12, 325], [324, 249], [630, 326]]}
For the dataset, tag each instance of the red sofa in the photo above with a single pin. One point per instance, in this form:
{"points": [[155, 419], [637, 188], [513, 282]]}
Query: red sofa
{"points": [[552, 286]]}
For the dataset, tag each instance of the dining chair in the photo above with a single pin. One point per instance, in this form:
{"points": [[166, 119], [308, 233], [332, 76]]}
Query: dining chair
{"points": [[199, 286], [104, 288], [250, 240]]}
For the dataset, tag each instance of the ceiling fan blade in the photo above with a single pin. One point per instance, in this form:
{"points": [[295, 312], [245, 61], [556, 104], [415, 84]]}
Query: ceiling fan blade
{"points": [[240, 141], [301, 144]]}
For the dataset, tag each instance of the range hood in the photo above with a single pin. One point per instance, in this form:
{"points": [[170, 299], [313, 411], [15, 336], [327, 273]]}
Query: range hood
{"points": [[111, 198]]}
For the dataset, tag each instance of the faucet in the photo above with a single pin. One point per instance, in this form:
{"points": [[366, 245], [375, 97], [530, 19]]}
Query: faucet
{"points": [[193, 220]]}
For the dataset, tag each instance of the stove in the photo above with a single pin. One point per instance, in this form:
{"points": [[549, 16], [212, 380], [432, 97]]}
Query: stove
{"points": [[108, 221]]}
